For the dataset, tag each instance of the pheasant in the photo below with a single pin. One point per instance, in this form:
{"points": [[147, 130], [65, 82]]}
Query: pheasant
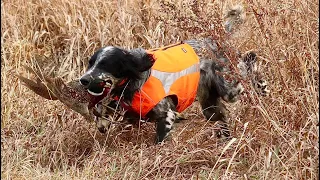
{"points": [[72, 94]]}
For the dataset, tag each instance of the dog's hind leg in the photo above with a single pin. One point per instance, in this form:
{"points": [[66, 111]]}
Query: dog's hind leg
{"points": [[233, 92], [164, 113], [214, 110]]}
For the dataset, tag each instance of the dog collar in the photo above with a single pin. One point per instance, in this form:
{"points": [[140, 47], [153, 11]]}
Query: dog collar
{"points": [[122, 82]]}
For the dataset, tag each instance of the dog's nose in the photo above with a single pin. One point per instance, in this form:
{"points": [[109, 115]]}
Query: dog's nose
{"points": [[85, 81]]}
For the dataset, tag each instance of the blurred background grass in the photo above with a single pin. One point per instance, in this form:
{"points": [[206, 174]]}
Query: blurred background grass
{"points": [[42, 139]]}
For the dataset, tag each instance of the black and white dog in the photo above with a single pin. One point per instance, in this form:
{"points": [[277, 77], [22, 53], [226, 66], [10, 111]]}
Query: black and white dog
{"points": [[126, 71]]}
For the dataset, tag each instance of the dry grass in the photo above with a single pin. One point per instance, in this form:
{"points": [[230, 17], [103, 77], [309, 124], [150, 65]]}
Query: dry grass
{"points": [[275, 137]]}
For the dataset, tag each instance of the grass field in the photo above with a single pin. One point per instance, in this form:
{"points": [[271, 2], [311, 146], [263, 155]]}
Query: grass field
{"points": [[275, 137]]}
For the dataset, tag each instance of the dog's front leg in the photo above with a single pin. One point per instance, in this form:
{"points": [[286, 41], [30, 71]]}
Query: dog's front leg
{"points": [[164, 115], [164, 126], [104, 113], [100, 118]]}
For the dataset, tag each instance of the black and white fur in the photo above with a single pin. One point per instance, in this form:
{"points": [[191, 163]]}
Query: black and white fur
{"points": [[125, 71]]}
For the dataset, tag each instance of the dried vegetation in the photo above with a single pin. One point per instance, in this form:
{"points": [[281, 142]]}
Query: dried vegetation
{"points": [[275, 137]]}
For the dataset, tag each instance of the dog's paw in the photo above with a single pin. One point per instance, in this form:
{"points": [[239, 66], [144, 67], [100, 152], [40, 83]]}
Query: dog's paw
{"points": [[261, 87], [239, 89], [102, 124], [234, 93], [222, 131]]}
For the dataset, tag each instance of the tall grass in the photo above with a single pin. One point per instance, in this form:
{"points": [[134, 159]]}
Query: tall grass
{"points": [[274, 137]]}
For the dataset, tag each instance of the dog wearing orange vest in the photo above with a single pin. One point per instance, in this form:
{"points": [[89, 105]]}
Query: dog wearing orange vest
{"points": [[156, 84]]}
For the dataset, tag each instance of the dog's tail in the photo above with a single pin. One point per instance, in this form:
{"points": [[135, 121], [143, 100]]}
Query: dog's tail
{"points": [[234, 17]]}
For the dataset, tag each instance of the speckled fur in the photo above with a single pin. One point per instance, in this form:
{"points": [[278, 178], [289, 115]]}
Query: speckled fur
{"points": [[133, 67]]}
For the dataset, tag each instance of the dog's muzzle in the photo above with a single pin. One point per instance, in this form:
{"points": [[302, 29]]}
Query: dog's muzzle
{"points": [[96, 86]]}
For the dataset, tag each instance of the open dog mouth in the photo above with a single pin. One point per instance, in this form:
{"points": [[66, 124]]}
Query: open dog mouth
{"points": [[98, 87]]}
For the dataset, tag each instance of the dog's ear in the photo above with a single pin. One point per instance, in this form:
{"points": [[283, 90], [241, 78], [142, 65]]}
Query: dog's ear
{"points": [[139, 59]]}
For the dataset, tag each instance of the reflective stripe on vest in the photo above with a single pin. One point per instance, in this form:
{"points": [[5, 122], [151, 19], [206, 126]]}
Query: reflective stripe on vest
{"points": [[167, 78]]}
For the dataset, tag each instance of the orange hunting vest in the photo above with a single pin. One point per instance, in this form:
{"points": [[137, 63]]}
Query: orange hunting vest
{"points": [[175, 71]]}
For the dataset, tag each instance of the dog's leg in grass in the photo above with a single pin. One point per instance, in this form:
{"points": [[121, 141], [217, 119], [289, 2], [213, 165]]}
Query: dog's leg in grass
{"points": [[101, 123], [105, 114], [164, 126], [212, 89], [214, 110], [233, 93], [164, 113]]}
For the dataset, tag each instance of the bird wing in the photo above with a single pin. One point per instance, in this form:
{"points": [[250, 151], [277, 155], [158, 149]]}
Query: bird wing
{"points": [[71, 94]]}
